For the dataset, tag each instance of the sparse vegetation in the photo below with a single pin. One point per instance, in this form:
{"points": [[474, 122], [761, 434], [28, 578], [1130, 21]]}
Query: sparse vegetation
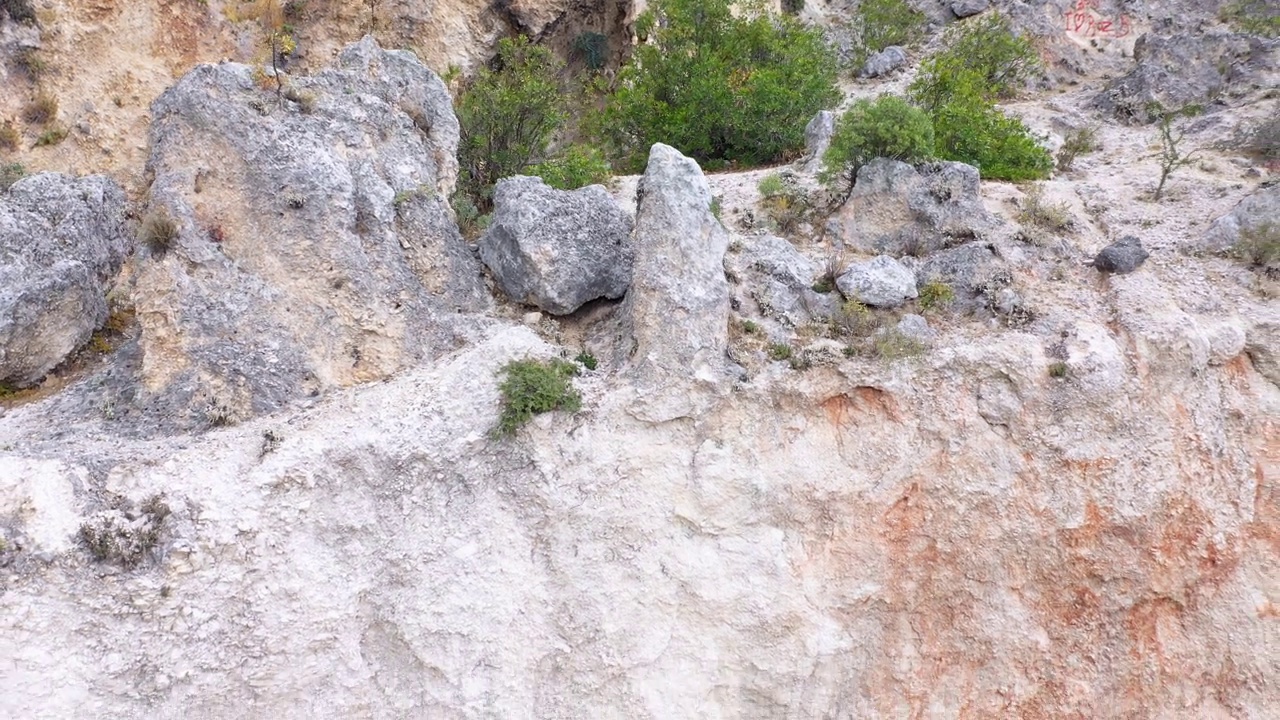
{"points": [[577, 166], [881, 23], [10, 138], [719, 86], [11, 173], [784, 202], [41, 110], [51, 136], [1259, 246], [779, 351], [892, 344], [855, 320], [1080, 141], [717, 206], [1036, 212], [586, 360], [158, 232], [28, 60], [1058, 370], [771, 185], [1172, 157], [887, 127], [125, 539], [271, 440], [935, 294], [532, 387], [507, 116], [592, 48], [750, 327], [1257, 17], [306, 99]]}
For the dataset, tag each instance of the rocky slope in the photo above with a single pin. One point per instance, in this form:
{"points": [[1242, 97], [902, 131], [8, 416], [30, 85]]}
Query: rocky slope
{"points": [[1064, 501]]}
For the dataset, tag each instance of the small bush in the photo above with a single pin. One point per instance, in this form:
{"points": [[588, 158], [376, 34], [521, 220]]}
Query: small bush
{"points": [[718, 86], [1058, 370], [1171, 156], [1257, 17], [1035, 211], [887, 127], [51, 136], [1081, 141], [11, 173], [471, 222], [126, 538], [981, 54], [42, 109], [158, 232], [881, 23], [1259, 246], [507, 115], [971, 130], [587, 360], [577, 166], [9, 136], [592, 48], [750, 327], [28, 60], [771, 185], [935, 294], [779, 351], [532, 387], [855, 320]]}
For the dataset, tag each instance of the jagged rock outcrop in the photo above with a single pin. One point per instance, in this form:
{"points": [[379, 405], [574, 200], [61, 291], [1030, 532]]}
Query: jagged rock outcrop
{"points": [[899, 209], [62, 239], [878, 282], [817, 138], [1177, 67], [965, 8], [315, 245], [1251, 218], [973, 271], [677, 310], [557, 249], [771, 274]]}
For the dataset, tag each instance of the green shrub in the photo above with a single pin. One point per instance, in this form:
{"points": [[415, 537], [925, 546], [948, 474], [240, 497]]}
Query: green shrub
{"points": [[771, 185], [779, 351], [785, 203], [587, 360], [532, 387], [593, 48], [935, 294], [1257, 17], [981, 56], [11, 173], [507, 115], [887, 127], [577, 166], [51, 136], [892, 344], [1058, 370], [971, 130], [881, 23], [718, 86]]}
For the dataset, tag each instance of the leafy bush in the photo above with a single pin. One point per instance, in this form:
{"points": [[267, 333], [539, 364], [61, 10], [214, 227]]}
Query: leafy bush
{"points": [[718, 86], [1258, 17], [981, 56], [587, 360], [532, 387], [779, 351], [881, 23], [935, 294], [971, 130], [507, 116], [1080, 141], [593, 48], [888, 127], [578, 166], [771, 185]]}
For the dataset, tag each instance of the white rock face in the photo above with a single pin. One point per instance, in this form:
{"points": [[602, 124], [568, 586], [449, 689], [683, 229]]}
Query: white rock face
{"points": [[678, 306]]}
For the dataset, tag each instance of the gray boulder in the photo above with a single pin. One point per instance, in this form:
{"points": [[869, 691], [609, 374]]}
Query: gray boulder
{"points": [[557, 249], [899, 209], [677, 310], [878, 282], [817, 138], [965, 8], [778, 279], [1249, 218], [315, 246], [1262, 344], [973, 271], [1194, 66], [1122, 256], [916, 327], [884, 62], [61, 240]]}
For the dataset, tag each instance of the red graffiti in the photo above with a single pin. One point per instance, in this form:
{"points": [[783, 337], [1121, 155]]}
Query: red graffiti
{"points": [[1085, 18]]}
